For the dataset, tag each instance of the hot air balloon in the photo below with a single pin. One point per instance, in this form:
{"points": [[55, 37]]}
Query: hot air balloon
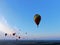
{"points": [[37, 19], [5, 34], [19, 37], [14, 34], [26, 33]]}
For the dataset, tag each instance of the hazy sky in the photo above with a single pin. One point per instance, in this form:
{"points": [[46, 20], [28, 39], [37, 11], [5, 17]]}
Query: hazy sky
{"points": [[18, 16]]}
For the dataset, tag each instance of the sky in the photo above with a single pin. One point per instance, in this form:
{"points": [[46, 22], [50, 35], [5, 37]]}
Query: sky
{"points": [[18, 16]]}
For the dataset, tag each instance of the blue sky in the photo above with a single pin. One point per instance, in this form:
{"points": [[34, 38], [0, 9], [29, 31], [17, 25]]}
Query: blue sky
{"points": [[20, 14]]}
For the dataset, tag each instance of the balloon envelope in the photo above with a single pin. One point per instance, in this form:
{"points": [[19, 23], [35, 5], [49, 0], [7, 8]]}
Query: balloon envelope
{"points": [[19, 37], [37, 19], [5, 34], [14, 34]]}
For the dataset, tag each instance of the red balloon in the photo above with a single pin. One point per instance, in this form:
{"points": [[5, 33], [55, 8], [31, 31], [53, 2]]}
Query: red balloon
{"points": [[37, 19]]}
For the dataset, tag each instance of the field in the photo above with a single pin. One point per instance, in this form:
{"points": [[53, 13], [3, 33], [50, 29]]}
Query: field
{"points": [[29, 42]]}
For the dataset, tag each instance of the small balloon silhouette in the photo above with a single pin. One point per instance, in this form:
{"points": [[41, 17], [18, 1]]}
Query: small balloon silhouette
{"points": [[19, 37], [5, 34], [14, 34]]}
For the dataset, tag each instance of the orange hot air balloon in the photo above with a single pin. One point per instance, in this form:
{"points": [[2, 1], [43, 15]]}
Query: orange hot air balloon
{"points": [[37, 19]]}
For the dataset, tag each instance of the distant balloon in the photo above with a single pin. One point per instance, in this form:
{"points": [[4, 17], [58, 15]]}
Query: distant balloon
{"points": [[19, 37], [14, 34], [26, 33], [37, 19], [5, 34]]}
